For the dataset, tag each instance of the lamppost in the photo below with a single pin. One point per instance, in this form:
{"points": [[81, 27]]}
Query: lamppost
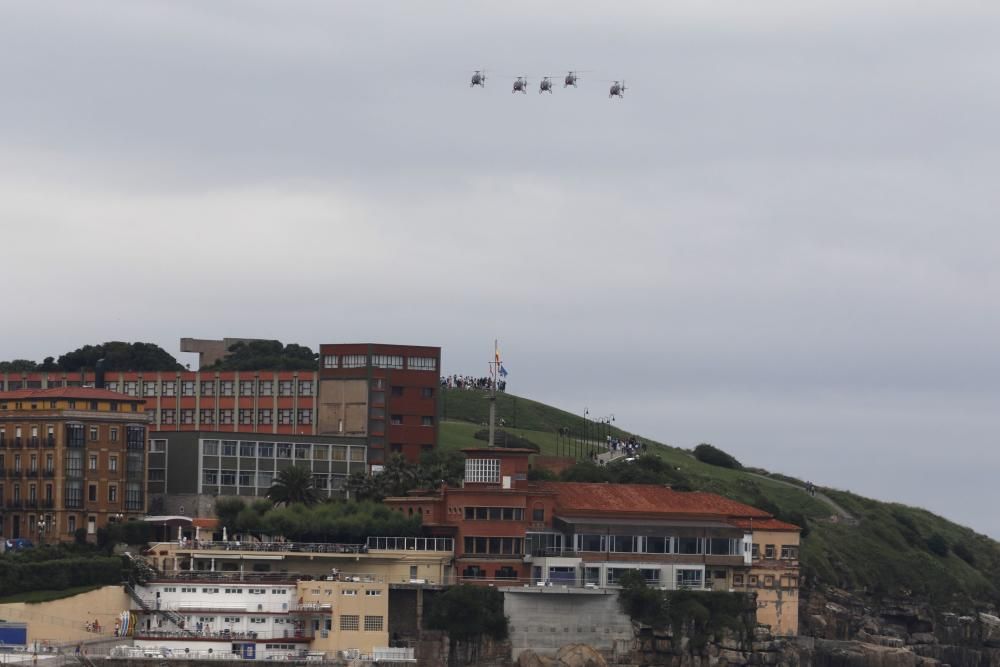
{"points": [[43, 525]]}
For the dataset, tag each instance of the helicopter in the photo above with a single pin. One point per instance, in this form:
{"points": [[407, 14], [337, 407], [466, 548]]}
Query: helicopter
{"points": [[520, 85], [617, 89], [570, 79], [478, 79], [545, 86]]}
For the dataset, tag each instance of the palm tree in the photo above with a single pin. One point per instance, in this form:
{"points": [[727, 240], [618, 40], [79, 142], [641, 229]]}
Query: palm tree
{"points": [[293, 485]]}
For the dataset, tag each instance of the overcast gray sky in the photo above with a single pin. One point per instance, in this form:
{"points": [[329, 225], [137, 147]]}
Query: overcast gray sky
{"points": [[782, 241]]}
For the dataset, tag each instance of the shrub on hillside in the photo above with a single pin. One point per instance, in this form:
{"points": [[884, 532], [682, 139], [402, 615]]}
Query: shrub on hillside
{"points": [[59, 574], [938, 545], [714, 456], [963, 552]]}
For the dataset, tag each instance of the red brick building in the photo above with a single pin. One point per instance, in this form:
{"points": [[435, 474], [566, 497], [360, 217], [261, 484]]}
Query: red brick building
{"points": [[398, 385]]}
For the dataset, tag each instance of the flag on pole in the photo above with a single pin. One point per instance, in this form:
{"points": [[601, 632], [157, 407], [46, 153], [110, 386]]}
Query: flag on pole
{"points": [[503, 371]]}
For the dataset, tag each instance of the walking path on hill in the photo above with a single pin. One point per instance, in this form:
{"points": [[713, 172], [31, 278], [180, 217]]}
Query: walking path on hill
{"points": [[843, 514]]}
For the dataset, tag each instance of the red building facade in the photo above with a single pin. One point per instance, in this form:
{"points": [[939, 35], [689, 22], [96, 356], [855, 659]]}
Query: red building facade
{"points": [[401, 389]]}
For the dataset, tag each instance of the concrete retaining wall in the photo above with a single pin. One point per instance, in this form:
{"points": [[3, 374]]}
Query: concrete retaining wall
{"points": [[545, 619]]}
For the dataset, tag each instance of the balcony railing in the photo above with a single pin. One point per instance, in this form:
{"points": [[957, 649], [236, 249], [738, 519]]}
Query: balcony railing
{"points": [[16, 444], [47, 504], [226, 635], [14, 503], [284, 547], [32, 472], [446, 544], [33, 443], [50, 441], [48, 472], [13, 472], [31, 504]]}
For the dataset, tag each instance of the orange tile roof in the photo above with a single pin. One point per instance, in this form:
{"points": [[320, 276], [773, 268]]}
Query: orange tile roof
{"points": [[647, 499], [83, 393], [205, 523], [765, 524]]}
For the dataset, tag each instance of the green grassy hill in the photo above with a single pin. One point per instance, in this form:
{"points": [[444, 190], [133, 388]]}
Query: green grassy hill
{"points": [[850, 542]]}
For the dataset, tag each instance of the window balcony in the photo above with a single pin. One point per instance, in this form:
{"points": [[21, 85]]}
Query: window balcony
{"points": [[48, 472], [46, 504], [31, 504], [15, 503], [50, 441], [33, 443], [16, 444], [13, 473]]}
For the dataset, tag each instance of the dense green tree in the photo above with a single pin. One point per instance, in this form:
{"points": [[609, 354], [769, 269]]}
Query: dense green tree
{"points": [[467, 612], [266, 355], [336, 521], [712, 455], [293, 485], [18, 366], [119, 356], [227, 509]]}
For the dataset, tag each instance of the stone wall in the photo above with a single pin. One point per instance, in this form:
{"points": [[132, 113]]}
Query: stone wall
{"points": [[64, 620], [543, 619]]}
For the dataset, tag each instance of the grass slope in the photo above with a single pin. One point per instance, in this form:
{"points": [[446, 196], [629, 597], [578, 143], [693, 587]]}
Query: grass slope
{"points": [[886, 552]]}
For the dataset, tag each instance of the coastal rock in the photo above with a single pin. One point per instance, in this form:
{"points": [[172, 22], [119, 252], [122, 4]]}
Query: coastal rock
{"points": [[531, 659], [580, 655]]}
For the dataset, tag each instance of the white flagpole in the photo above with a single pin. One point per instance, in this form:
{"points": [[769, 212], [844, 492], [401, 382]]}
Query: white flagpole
{"points": [[493, 392]]}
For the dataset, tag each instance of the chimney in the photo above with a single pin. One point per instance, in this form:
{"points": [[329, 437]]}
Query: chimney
{"points": [[99, 374]]}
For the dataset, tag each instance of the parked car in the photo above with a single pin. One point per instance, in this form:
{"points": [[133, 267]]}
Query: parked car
{"points": [[18, 543]]}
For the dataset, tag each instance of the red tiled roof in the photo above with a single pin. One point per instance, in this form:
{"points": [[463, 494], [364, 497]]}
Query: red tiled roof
{"points": [[765, 524], [83, 393], [646, 499], [205, 523]]}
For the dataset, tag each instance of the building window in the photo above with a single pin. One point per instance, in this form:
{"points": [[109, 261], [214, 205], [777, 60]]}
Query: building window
{"points": [[426, 392], [285, 416], [349, 621], [264, 416], [302, 452], [357, 454], [112, 493], [229, 448], [187, 388], [286, 388], [482, 470], [113, 434], [266, 388], [427, 421], [225, 387], [247, 448], [149, 389], [305, 387], [208, 388], [305, 416], [207, 416], [752, 580], [421, 363], [210, 447], [737, 580], [396, 420], [284, 450], [769, 581], [211, 477], [789, 552], [167, 416], [246, 416], [169, 388], [112, 464], [92, 493], [228, 477], [246, 387], [387, 361], [354, 361], [71, 525], [769, 551], [265, 479], [246, 478], [225, 416], [338, 453], [95, 434], [538, 514], [92, 462], [330, 361], [265, 450], [157, 475], [373, 624], [187, 416]]}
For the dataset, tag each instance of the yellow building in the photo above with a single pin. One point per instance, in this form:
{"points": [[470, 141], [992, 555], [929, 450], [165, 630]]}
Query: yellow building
{"points": [[774, 575], [348, 615]]}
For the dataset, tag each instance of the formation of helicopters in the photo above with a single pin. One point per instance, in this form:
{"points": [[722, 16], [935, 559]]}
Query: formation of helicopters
{"points": [[617, 88]]}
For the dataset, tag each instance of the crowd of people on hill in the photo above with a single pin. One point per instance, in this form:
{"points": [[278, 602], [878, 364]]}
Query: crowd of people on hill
{"points": [[629, 447], [457, 381]]}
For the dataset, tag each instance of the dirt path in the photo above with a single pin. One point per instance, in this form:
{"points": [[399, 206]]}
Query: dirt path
{"points": [[844, 515]]}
